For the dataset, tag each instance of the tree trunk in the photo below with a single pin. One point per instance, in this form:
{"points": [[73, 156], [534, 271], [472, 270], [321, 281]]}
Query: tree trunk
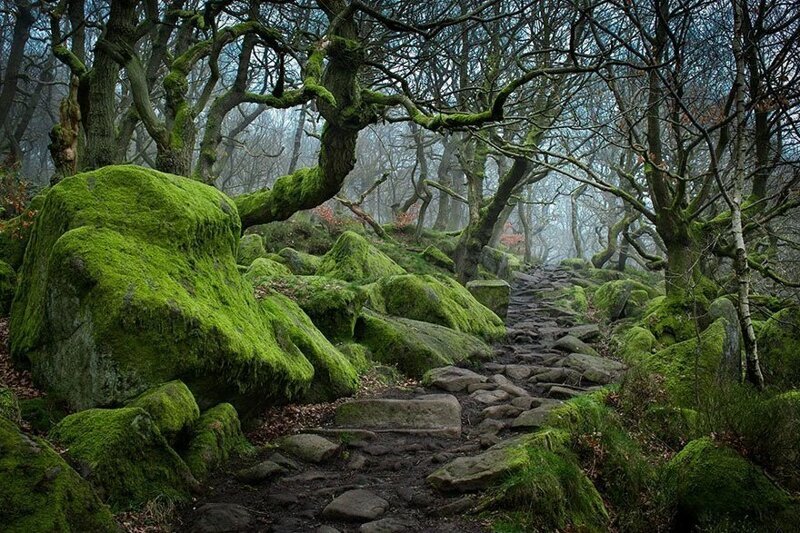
{"points": [[574, 222], [298, 139]]}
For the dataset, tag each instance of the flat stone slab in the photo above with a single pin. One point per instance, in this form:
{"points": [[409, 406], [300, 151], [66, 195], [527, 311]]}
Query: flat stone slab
{"points": [[583, 362], [389, 525], [263, 471], [308, 447], [433, 414], [222, 518], [585, 332], [452, 378], [490, 397], [571, 344], [534, 418], [357, 505]]}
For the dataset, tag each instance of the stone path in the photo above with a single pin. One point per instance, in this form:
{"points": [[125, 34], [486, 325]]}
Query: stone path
{"points": [[370, 470]]}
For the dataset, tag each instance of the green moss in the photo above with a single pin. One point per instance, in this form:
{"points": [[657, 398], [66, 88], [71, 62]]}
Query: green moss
{"points": [[621, 299], [172, 408], [332, 305], [671, 320], [9, 405], [8, 284], [41, 413], [691, 367], [353, 258], [416, 347], [437, 257], [672, 425], [493, 294], [635, 344], [575, 263], [501, 264], [572, 298], [125, 456], [438, 300], [251, 247], [711, 484], [216, 438], [300, 263], [334, 376], [358, 355], [130, 281], [546, 489], [779, 349], [299, 233], [265, 268], [40, 493]]}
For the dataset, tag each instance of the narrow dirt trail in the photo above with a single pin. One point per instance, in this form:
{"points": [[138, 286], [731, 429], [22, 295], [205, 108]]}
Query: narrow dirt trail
{"points": [[374, 478]]}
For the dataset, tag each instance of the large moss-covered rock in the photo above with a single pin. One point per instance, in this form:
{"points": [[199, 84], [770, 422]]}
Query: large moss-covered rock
{"points": [[251, 247], [435, 256], [172, 408], [353, 258], [712, 485], [492, 293], [334, 375], [437, 300], [414, 346], [265, 268], [693, 367], [623, 298], [40, 492], [779, 348], [299, 232], [671, 320], [332, 305], [501, 264], [130, 281], [300, 263], [635, 344], [8, 284], [217, 437], [124, 455]]}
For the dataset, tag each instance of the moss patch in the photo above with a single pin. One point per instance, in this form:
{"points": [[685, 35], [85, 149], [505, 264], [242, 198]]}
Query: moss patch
{"points": [[127, 459], [300, 263], [217, 437], [130, 281], [712, 484], [438, 300], [353, 258], [15, 233], [251, 247], [172, 408], [42, 493], [9, 405], [416, 347], [435, 256], [779, 348], [265, 268], [621, 299]]}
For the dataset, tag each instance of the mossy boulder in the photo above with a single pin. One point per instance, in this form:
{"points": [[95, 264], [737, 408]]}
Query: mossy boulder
{"points": [[300, 263], [572, 299], [172, 408], [575, 263], [123, 454], [712, 485], [251, 247], [493, 294], [8, 284], [40, 492], [130, 281], [41, 414], [634, 344], [217, 436], [414, 346], [623, 298], [501, 264], [15, 232], [332, 305], [438, 300], [670, 320], [436, 257], [334, 375], [779, 348], [358, 355], [9, 405], [354, 259], [299, 232], [693, 367], [265, 268]]}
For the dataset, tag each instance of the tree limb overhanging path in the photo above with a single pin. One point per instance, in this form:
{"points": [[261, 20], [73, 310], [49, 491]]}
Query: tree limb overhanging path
{"points": [[417, 458]]}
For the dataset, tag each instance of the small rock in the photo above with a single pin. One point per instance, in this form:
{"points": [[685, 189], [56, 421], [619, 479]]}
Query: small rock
{"points": [[356, 505], [490, 396], [494, 367], [533, 418], [563, 393], [518, 371], [261, 472], [490, 426], [571, 344], [500, 379], [327, 529], [526, 402], [558, 375], [388, 525], [514, 390], [452, 378], [222, 518], [480, 386], [585, 332], [284, 461], [501, 411], [357, 462], [309, 447]]}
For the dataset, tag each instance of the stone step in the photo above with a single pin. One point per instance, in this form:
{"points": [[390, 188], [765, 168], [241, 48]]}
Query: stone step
{"points": [[433, 415]]}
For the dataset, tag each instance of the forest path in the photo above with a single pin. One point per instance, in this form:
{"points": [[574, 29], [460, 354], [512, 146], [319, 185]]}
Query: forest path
{"points": [[373, 479]]}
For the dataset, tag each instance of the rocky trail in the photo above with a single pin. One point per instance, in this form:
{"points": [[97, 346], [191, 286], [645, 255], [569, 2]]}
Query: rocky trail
{"points": [[416, 459]]}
